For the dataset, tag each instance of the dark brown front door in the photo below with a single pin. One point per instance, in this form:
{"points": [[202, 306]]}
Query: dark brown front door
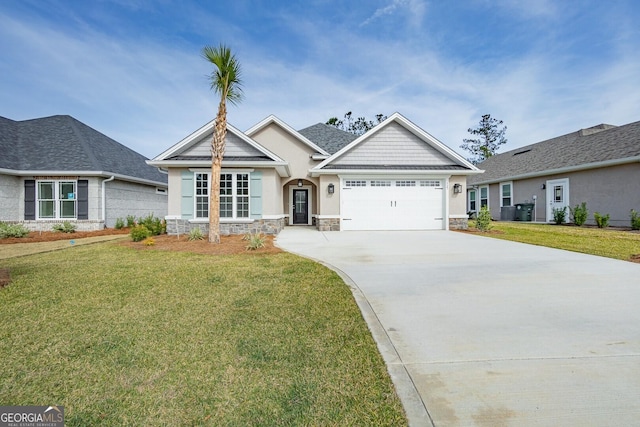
{"points": [[300, 206]]}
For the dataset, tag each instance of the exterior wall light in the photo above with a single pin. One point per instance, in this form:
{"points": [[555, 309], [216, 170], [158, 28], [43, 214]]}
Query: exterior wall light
{"points": [[299, 183], [330, 189], [457, 189]]}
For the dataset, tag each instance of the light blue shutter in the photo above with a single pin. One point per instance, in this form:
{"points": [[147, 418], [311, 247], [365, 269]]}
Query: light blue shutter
{"points": [[255, 190], [186, 192]]}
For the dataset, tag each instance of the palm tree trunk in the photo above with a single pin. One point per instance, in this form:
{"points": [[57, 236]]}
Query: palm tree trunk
{"points": [[217, 153]]}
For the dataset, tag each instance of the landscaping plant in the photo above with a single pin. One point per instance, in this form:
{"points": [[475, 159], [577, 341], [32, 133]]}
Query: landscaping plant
{"points": [[483, 223], [579, 214], [560, 215], [154, 224], [195, 234], [65, 227], [131, 221], [12, 230], [635, 220], [601, 220], [139, 233], [119, 224], [256, 241]]}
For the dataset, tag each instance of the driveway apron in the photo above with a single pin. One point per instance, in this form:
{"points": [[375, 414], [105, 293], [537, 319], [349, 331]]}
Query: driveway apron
{"points": [[484, 332]]}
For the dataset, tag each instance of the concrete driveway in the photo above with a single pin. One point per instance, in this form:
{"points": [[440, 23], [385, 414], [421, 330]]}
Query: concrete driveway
{"points": [[483, 332]]}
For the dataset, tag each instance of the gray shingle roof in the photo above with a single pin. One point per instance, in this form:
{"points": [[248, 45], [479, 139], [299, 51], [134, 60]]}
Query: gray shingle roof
{"points": [[593, 145], [327, 137], [62, 143]]}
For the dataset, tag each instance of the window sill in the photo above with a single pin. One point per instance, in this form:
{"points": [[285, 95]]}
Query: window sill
{"points": [[223, 221]]}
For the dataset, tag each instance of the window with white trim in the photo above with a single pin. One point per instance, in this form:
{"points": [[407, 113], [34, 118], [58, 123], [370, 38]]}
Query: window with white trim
{"points": [[402, 183], [484, 197], [234, 195], [506, 194], [379, 183], [472, 201], [355, 183], [56, 199]]}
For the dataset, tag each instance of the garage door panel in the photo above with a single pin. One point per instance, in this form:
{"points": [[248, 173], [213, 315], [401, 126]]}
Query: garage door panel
{"points": [[403, 207]]}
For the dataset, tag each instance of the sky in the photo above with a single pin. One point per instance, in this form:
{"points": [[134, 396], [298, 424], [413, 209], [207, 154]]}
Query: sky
{"points": [[133, 69]]}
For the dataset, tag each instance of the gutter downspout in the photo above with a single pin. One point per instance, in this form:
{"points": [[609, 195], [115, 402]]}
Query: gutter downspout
{"points": [[104, 199]]}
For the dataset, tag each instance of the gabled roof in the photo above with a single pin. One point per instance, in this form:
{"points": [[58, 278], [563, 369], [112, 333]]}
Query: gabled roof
{"points": [[598, 146], [273, 119], [63, 145], [388, 154], [330, 138], [194, 151]]}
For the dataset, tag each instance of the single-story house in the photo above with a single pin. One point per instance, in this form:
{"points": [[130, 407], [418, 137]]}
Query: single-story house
{"points": [[57, 169], [599, 165], [394, 177]]}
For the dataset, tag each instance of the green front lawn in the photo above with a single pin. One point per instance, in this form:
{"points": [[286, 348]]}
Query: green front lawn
{"points": [[125, 337], [605, 242]]}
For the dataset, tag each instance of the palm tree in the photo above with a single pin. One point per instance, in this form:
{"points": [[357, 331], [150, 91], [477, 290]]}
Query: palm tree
{"points": [[225, 81]]}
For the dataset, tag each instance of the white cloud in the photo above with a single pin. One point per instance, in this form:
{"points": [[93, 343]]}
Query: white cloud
{"points": [[415, 9]]}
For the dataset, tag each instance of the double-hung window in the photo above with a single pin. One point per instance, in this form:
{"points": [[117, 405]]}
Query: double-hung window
{"points": [[56, 199], [234, 195], [472, 201], [506, 194], [484, 197]]}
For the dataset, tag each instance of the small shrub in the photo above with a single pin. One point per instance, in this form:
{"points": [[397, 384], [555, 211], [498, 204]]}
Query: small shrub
{"points": [[635, 220], [155, 225], [483, 223], [12, 230], [119, 224], [256, 241], [601, 220], [131, 221], [579, 214], [560, 215], [195, 234], [149, 241], [139, 233], [65, 227]]}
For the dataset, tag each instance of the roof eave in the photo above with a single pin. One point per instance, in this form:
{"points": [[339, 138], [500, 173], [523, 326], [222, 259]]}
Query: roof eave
{"points": [[101, 174], [317, 172], [567, 169], [282, 168]]}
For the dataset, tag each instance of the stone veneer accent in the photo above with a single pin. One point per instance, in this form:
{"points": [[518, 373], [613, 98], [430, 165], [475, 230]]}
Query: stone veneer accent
{"points": [[264, 226], [458, 223], [328, 224]]}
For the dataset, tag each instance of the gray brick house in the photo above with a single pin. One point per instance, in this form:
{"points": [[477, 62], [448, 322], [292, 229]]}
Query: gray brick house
{"points": [[56, 169], [598, 165]]}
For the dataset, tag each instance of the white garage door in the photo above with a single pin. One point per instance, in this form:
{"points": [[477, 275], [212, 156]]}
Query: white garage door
{"points": [[392, 204]]}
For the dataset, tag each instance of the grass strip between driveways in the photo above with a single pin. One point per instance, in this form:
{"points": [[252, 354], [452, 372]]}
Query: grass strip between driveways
{"points": [[125, 337], [610, 243]]}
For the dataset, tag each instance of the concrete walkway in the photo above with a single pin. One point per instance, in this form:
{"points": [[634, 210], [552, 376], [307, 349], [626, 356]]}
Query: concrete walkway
{"points": [[484, 332]]}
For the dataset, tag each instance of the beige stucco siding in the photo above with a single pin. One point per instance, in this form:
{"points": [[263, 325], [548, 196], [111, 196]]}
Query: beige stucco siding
{"points": [[286, 146], [457, 202], [396, 146], [329, 203]]}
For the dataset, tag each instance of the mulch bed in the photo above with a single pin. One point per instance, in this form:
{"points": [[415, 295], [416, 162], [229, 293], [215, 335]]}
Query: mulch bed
{"points": [[51, 236], [229, 245]]}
